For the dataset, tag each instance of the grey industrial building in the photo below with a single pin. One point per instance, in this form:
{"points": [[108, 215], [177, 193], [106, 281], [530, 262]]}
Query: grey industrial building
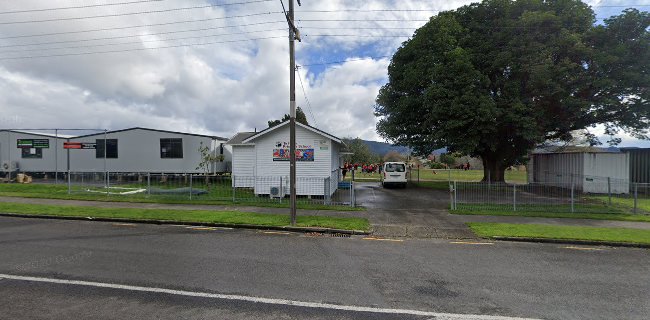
{"points": [[128, 150]]}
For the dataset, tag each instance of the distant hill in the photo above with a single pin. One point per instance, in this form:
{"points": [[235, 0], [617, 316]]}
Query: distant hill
{"points": [[382, 148]]}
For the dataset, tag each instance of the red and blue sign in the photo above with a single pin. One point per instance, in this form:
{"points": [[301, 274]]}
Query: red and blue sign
{"points": [[301, 154]]}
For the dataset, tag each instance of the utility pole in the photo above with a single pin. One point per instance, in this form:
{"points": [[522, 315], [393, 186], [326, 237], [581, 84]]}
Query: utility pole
{"points": [[293, 35]]}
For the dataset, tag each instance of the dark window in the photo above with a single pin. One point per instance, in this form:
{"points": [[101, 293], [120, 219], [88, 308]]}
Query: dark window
{"points": [[111, 151], [171, 148], [32, 153]]}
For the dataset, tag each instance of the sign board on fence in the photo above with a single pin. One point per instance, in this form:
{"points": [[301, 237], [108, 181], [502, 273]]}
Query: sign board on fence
{"points": [[33, 143], [79, 145]]}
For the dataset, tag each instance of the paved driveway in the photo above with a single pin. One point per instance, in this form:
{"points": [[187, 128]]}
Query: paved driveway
{"points": [[410, 212]]}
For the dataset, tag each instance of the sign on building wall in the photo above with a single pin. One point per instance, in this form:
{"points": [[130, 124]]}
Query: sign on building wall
{"points": [[303, 152], [33, 143]]}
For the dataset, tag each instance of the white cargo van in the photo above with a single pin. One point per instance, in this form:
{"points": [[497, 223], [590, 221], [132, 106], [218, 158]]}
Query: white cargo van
{"points": [[394, 173]]}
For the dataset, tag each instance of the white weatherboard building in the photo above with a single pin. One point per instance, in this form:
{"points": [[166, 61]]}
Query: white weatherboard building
{"points": [[127, 151], [587, 171], [260, 160]]}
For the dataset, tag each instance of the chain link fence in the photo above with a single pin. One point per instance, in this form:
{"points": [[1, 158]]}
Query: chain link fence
{"points": [[206, 188], [562, 193]]}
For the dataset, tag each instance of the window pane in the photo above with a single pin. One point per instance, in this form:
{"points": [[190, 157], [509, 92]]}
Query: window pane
{"points": [[171, 148], [32, 153], [111, 152]]}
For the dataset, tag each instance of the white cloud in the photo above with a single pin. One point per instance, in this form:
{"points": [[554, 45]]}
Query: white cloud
{"points": [[227, 86]]}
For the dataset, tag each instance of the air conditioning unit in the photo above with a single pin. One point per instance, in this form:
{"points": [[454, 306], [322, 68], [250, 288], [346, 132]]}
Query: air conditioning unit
{"points": [[276, 192], [10, 166]]}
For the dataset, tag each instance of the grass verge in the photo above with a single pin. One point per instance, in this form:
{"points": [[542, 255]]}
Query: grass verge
{"points": [[196, 216], [47, 191], [617, 216], [621, 235], [614, 215]]}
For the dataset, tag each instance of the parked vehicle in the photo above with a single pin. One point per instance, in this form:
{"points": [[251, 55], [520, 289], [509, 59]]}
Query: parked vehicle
{"points": [[394, 173]]}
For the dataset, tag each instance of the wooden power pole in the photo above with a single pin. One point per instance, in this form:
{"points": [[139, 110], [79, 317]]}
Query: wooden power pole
{"points": [[293, 35]]}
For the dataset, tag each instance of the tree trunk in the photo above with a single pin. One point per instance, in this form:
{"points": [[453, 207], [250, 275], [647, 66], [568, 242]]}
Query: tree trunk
{"points": [[493, 169]]}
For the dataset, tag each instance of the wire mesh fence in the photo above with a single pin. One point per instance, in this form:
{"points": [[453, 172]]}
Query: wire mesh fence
{"points": [[571, 193], [206, 188]]}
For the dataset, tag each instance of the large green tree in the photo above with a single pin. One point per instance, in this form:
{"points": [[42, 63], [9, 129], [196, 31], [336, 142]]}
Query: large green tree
{"points": [[300, 117], [495, 79]]}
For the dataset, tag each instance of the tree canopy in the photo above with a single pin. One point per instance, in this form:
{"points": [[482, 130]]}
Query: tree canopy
{"points": [[361, 153], [496, 78], [300, 117]]}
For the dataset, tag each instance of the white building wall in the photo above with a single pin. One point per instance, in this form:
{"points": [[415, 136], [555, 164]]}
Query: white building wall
{"points": [[558, 169], [243, 166], [600, 166], [139, 151], [53, 157], [309, 174], [586, 171]]}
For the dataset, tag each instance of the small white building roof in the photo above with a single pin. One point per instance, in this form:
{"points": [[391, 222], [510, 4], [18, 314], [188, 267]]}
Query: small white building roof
{"points": [[286, 123]]}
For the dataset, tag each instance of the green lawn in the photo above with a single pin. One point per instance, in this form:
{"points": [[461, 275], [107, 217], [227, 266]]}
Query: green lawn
{"points": [[642, 203], [218, 195], [195, 216], [490, 230], [463, 175], [443, 175], [613, 215]]}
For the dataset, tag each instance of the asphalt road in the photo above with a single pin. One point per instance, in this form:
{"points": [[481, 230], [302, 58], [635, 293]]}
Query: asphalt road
{"points": [[303, 276]]}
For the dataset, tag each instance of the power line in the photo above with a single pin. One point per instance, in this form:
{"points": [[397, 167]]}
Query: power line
{"points": [[305, 94], [137, 35], [138, 42], [137, 49], [80, 7], [135, 13], [139, 26]]}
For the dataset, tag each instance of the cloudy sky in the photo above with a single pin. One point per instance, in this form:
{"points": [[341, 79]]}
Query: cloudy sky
{"points": [[203, 66]]}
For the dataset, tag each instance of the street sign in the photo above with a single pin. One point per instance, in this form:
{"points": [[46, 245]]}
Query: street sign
{"points": [[79, 145], [33, 143]]}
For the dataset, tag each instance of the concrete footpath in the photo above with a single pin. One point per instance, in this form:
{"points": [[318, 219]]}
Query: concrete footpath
{"points": [[557, 221]]}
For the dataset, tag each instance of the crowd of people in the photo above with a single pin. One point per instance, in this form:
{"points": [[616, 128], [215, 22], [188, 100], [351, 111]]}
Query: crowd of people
{"points": [[365, 168]]}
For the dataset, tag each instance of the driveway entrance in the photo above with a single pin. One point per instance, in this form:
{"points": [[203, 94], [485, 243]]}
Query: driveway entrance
{"points": [[410, 212]]}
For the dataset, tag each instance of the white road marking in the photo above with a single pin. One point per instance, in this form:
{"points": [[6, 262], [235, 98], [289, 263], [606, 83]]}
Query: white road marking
{"points": [[470, 242], [583, 248], [286, 302]]}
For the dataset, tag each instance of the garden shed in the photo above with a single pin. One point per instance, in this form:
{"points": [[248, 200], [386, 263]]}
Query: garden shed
{"points": [[589, 172], [260, 160]]}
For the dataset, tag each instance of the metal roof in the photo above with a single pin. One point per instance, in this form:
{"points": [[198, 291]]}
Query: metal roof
{"points": [[240, 137]]}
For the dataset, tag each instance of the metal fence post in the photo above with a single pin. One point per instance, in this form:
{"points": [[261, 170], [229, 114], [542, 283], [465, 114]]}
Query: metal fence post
{"points": [[191, 178], [281, 190], [455, 195], [234, 183], [609, 190], [69, 183], [325, 189], [636, 197], [514, 197], [148, 183], [573, 185]]}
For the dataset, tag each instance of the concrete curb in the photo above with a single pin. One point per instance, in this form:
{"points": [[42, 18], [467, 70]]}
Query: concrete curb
{"points": [[206, 224], [576, 242]]}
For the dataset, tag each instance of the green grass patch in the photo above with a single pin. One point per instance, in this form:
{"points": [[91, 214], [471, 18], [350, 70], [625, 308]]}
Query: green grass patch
{"points": [[218, 195], [642, 203], [201, 216], [490, 230], [614, 215]]}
